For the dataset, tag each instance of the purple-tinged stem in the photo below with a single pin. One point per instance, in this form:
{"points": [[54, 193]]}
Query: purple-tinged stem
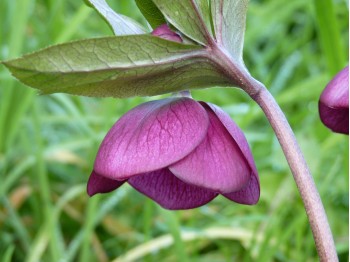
{"points": [[312, 202], [305, 183]]}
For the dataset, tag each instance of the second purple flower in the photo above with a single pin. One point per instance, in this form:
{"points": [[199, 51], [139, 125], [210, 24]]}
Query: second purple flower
{"points": [[179, 152]]}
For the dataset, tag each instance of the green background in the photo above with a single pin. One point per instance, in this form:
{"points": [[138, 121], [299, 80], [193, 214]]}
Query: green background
{"points": [[48, 145]]}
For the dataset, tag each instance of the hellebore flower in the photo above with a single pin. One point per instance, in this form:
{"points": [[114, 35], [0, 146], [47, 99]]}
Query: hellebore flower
{"points": [[179, 152], [334, 103]]}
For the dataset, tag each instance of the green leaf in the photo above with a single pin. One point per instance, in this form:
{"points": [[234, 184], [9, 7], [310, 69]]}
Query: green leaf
{"points": [[87, 2], [121, 66], [229, 17], [150, 11], [204, 9], [185, 15], [8, 254], [329, 35], [121, 25]]}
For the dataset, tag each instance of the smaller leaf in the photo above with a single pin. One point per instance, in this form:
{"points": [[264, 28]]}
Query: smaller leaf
{"points": [[150, 11], [121, 25], [204, 9], [185, 15], [229, 17]]}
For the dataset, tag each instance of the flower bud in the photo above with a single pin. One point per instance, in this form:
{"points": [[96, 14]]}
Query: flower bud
{"points": [[334, 103], [163, 31]]}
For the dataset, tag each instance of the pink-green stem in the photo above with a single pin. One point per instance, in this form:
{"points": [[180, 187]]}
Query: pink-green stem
{"points": [[237, 73], [305, 183]]}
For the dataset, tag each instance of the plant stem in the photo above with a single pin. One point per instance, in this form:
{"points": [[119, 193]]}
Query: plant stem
{"points": [[305, 183], [239, 75]]}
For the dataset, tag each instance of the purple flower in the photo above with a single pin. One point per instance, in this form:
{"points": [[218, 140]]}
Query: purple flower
{"points": [[179, 152], [334, 103]]}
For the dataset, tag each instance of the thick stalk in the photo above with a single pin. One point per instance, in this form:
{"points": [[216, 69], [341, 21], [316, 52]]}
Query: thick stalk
{"points": [[305, 183], [312, 202]]}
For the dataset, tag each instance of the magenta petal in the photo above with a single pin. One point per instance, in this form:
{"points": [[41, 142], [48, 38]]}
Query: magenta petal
{"points": [[99, 184], [169, 191], [334, 103], [151, 136], [217, 164], [252, 190], [248, 195], [236, 134]]}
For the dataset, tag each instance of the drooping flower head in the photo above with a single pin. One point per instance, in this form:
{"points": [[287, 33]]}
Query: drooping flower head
{"points": [[334, 103], [179, 152]]}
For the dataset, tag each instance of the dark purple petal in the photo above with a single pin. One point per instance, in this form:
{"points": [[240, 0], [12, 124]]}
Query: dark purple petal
{"points": [[334, 103], [218, 163], [99, 184], [169, 191], [250, 194], [151, 136], [163, 31], [336, 119]]}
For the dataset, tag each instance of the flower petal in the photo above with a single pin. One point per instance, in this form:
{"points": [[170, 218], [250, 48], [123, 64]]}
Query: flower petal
{"points": [[151, 136], [336, 119], [334, 103], [218, 163], [169, 191], [336, 93], [248, 195], [99, 184], [236, 134], [252, 191]]}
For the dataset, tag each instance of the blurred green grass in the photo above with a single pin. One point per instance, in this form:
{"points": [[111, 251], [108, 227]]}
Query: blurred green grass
{"points": [[48, 144]]}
